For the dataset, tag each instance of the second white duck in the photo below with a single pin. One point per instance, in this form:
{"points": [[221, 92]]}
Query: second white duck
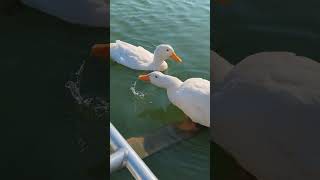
{"points": [[191, 96], [138, 58]]}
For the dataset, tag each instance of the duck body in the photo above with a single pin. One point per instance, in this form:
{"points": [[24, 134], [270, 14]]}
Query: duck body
{"points": [[134, 57], [191, 96], [266, 115], [138, 58]]}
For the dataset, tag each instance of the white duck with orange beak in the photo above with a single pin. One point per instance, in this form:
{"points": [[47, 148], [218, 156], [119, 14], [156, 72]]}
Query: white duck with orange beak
{"points": [[191, 96], [138, 58]]}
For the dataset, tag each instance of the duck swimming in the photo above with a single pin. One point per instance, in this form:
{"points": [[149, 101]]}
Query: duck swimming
{"points": [[191, 96], [138, 58]]}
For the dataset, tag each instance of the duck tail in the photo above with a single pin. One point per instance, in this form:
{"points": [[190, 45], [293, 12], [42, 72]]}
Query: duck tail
{"points": [[100, 50]]}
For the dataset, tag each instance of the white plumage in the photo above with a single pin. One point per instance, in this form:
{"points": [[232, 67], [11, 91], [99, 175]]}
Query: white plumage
{"points": [[138, 58], [191, 96], [266, 114]]}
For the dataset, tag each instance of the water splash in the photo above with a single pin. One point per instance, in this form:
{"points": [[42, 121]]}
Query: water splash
{"points": [[136, 92], [99, 105], [74, 85]]}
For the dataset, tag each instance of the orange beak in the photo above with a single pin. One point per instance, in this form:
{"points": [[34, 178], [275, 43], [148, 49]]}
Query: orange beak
{"points": [[175, 57], [144, 77], [100, 50]]}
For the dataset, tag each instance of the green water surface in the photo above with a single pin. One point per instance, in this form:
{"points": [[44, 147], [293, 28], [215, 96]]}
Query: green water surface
{"points": [[185, 25]]}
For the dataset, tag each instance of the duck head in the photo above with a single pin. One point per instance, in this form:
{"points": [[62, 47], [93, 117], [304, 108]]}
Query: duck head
{"points": [[164, 52], [161, 80]]}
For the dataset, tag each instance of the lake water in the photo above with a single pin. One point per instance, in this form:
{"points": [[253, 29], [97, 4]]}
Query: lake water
{"points": [[46, 133], [138, 108]]}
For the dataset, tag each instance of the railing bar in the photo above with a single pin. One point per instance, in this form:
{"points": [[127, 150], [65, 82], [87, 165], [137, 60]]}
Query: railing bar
{"points": [[118, 159], [133, 162]]}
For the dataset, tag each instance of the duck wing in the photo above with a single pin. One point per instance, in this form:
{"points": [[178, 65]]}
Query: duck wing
{"points": [[130, 55], [193, 98]]}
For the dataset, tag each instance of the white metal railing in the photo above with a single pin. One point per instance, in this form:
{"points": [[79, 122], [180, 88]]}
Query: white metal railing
{"points": [[124, 155]]}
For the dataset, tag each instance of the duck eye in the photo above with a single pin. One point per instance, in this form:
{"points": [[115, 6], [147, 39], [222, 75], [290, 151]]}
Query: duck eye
{"points": [[167, 50], [156, 76]]}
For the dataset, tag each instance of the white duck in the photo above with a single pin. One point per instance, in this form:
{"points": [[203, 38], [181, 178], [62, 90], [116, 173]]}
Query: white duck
{"points": [[266, 114], [136, 57], [191, 96]]}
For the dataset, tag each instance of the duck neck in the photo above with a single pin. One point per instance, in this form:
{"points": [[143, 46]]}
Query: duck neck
{"points": [[157, 59], [173, 83]]}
